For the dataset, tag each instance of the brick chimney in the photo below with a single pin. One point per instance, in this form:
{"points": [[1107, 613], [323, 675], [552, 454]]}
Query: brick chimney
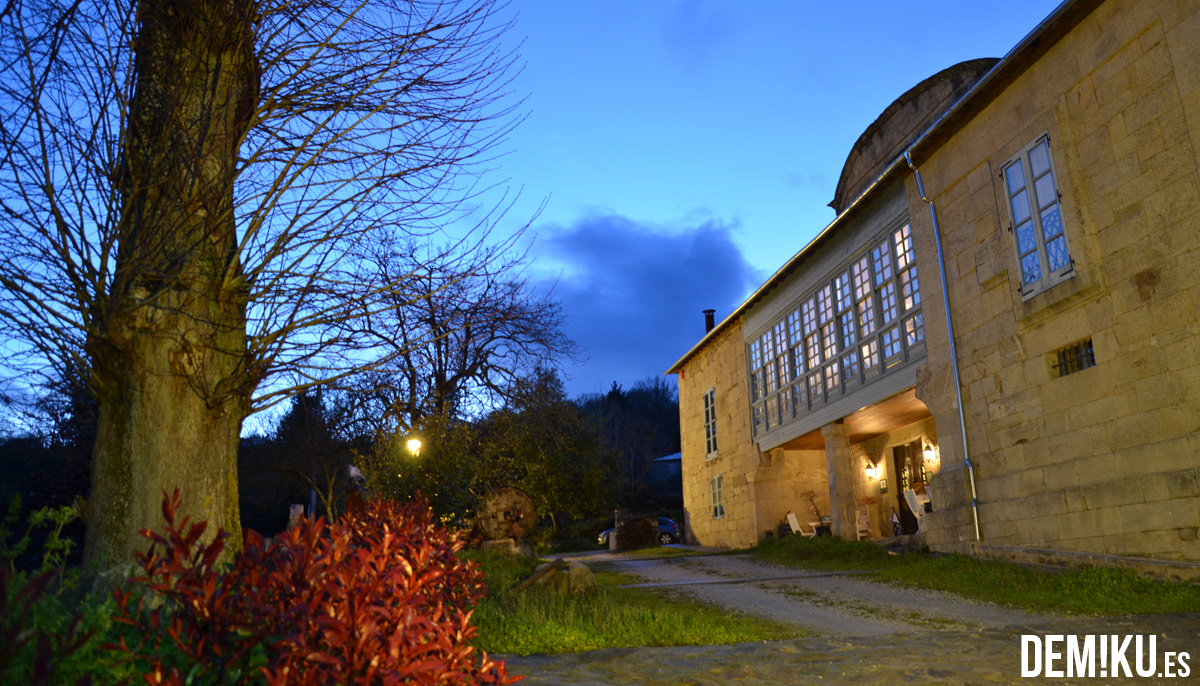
{"points": [[709, 320]]}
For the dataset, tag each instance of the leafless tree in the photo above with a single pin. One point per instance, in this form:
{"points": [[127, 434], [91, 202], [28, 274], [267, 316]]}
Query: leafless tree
{"points": [[457, 349], [190, 191]]}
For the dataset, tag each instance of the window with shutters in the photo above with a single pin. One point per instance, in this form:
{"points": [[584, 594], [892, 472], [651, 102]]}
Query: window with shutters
{"points": [[1039, 236]]}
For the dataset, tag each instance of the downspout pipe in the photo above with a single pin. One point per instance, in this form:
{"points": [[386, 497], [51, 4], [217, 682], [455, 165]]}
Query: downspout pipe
{"points": [[962, 419]]}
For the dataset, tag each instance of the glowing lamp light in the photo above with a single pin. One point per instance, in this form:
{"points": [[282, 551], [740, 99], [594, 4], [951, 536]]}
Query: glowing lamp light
{"points": [[414, 446], [871, 471], [930, 454]]}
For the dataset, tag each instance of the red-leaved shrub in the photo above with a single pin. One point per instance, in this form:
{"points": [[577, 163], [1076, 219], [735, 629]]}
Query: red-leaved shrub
{"points": [[379, 597]]}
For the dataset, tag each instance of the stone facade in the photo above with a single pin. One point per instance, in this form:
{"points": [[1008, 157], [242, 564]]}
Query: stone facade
{"points": [[720, 366], [1080, 382], [1103, 460]]}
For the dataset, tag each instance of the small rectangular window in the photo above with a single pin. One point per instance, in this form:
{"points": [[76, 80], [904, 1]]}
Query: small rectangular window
{"points": [[718, 497], [710, 422], [1039, 237], [1074, 358]]}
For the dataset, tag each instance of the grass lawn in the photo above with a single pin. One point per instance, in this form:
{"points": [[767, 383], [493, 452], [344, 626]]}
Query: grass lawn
{"points": [[662, 551], [1094, 591], [529, 622]]}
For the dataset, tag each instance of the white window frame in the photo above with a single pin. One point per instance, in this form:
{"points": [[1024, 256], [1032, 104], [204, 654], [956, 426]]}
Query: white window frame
{"points": [[717, 485], [812, 356], [710, 423], [1026, 223]]}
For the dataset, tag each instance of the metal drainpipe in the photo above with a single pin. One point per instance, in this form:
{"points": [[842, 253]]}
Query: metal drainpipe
{"points": [[962, 420]]}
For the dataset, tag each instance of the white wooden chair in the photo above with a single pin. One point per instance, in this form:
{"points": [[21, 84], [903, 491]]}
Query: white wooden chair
{"points": [[864, 527], [795, 526]]}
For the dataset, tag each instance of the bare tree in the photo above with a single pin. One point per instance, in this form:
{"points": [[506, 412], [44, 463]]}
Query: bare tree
{"points": [[189, 188], [461, 345]]}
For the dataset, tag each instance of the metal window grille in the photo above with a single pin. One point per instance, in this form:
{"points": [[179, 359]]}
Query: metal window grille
{"points": [[1075, 358]]}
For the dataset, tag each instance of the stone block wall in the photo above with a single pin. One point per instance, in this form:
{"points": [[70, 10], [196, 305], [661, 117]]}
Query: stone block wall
{"points": [[1102, 460], [721, 364], [782, 483]]}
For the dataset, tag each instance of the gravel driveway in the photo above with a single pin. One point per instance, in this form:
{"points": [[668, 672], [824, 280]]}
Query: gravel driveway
{"points": [[830, 603], [857, 632]]}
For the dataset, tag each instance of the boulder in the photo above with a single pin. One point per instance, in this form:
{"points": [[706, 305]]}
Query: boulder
{"points": [[506, 545], [575, 579]]}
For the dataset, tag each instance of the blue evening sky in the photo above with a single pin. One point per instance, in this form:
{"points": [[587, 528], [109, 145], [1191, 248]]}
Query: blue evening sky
{"points": [[686, 150]]}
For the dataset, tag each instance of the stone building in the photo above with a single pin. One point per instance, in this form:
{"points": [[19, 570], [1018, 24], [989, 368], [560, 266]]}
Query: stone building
{"points": [[1056, 192]]}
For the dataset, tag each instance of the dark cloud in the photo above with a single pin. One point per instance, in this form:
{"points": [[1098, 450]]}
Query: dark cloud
{"points": [[633, 293]]}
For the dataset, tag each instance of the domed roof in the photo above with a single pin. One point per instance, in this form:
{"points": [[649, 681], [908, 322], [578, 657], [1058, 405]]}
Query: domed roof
{"points": [[901, 123]]}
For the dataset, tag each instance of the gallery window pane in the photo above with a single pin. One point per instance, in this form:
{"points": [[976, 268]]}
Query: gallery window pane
{"points": [[914, 329]]}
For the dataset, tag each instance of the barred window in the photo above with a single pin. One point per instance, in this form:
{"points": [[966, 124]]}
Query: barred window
{"points": [[1074, 358]]}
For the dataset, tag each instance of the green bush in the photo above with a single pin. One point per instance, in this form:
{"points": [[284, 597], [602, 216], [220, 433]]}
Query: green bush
{"points": [[50, 629]]}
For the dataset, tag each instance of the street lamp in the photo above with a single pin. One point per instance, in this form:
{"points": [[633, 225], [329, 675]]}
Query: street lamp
{"points": [[414, 446]]}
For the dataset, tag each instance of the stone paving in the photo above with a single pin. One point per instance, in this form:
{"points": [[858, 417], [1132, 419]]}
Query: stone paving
{"points": [[859, 633]]}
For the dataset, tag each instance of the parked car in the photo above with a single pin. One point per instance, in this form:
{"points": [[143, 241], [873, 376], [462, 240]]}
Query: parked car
{"points": [[668, 532]]}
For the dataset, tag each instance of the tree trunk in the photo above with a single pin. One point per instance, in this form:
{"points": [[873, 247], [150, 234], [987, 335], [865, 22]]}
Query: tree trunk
{"points": [[170, 370]]}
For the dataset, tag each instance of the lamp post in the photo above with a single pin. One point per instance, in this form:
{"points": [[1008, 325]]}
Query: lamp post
{"points": [[414, 446]]}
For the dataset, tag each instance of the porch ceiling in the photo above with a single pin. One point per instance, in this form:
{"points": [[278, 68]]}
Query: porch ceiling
{"points": [[896, 412]]}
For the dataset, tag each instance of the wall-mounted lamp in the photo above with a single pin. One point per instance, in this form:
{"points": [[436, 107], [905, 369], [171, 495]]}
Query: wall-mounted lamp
{"points": [[414, 446], [929, 452], [872, 471]]}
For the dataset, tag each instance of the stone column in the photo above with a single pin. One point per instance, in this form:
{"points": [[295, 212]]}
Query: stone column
{"points": [[841, 479]]}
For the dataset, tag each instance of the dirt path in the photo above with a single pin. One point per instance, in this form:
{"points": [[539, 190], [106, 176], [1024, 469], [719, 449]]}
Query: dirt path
{"points": [[857, 632], [824, 602]]}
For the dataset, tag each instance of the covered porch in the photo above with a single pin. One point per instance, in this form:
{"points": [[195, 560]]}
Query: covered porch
{"points": [[856, 471]]}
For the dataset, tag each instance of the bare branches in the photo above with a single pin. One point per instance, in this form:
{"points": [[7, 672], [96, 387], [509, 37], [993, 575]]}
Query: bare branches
{"points": [[368, 124], [461, 339]]}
